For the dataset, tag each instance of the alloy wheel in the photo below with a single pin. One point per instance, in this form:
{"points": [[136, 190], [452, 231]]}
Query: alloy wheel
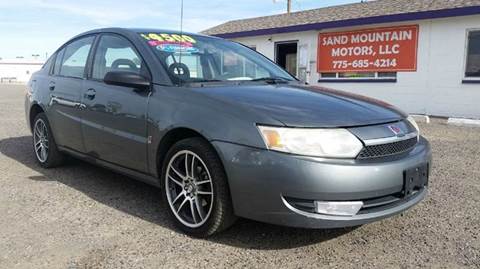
{"points": [[189, 188], [40, 140]]}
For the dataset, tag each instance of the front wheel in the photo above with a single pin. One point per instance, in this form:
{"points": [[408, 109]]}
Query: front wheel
{"points": [[196, 188]]}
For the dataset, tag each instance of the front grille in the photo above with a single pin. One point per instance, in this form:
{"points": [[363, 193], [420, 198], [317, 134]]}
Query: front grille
{"points": [[382, 150], [387, 202]]}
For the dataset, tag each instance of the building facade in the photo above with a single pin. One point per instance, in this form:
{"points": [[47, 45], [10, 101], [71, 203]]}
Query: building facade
{"points": [[18, 70], [424, 60]]}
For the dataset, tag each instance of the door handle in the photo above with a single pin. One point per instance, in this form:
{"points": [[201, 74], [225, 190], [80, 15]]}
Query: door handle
{"points": [[90, 94], [51, 86]]}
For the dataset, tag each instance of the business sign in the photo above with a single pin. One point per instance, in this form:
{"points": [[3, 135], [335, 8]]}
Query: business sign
{"points": [[376, 50]]}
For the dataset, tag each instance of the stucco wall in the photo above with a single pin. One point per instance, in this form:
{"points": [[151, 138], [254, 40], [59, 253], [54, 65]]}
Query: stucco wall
{"points": [[20, 71], [435, 89]]}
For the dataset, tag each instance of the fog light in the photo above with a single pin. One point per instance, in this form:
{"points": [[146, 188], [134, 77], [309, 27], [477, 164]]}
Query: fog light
{"points": [[338, 208]]}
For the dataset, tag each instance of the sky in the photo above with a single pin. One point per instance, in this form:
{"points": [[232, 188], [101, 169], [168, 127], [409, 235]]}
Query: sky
{"points": [[39, 27]]}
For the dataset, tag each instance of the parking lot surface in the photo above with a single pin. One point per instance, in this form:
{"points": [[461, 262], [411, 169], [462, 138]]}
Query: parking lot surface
{"points": [[81, 216]]}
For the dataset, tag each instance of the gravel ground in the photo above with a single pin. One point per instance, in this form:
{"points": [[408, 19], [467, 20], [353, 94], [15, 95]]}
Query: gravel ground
{"points": [[81, 216]]}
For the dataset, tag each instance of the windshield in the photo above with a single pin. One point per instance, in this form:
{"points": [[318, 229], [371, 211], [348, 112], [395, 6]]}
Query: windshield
{"points": [[195, 58]]}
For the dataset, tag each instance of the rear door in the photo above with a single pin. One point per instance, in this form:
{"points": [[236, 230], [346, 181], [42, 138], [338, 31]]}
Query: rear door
{"points": [[65, 86], [114, 118]]}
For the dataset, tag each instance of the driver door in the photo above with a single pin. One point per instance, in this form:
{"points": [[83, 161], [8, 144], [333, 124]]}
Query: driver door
{"points": [[114, 117]]}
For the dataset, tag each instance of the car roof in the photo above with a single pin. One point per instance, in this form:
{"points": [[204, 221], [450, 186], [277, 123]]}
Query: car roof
{"points": [[133, 30], [128, 32]]}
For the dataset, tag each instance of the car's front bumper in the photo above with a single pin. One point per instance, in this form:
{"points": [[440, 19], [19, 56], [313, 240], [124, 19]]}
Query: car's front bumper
{"points": [[275, 187]]}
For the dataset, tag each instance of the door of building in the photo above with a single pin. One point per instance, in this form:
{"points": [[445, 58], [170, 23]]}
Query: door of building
{"points": [[286, 55]]}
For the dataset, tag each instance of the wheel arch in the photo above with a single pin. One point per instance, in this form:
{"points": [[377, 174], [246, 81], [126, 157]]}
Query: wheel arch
{"points": [[169, 139], [173, 136], [35, 109]]}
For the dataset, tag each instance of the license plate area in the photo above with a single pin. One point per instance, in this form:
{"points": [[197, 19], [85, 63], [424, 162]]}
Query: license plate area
{"points": [[414, 179]]}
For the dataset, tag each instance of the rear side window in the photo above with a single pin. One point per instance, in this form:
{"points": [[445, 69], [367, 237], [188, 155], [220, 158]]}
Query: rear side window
{"points": [[58, 62], [75, 57], [115, 53], [48, 64]]}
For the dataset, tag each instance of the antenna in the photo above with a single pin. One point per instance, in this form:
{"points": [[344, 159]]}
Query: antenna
{"points": [[181, 43], [181, 17], [181, 32]]}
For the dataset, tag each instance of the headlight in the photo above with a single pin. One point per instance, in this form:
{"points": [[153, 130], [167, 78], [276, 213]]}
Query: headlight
{"points": [[413, 123], [332, 143]]}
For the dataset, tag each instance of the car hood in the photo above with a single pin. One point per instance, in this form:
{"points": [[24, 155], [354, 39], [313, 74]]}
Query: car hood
{"points": [[306, 106]]}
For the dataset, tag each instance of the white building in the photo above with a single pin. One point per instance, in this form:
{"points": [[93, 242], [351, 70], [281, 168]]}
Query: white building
{"points": [[422, 56], [18, 70]]}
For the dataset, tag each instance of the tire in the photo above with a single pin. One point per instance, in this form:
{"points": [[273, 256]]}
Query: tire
{"points": [[186, 191], [42, 139]]}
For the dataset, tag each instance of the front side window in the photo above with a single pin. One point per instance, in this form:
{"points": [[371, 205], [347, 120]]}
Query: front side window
{"points": [[75, 58], [115, 53], [195, 58], [472, 69]]}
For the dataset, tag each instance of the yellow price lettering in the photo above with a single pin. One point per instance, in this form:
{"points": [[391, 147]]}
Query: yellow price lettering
{"points": [[155, 37], [178, 38], [145, 36], [189, 39], [168, 38]]}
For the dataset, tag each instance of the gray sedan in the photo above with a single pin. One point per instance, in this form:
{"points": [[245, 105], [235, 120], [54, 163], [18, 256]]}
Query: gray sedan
{"points": [[224, 132]]}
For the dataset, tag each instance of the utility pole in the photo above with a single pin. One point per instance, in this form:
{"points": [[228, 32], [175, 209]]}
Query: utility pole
{"points": [[289, 5]]}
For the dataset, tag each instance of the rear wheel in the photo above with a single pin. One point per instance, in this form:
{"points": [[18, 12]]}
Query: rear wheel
{"points": [[196, 188], [44, 146]]}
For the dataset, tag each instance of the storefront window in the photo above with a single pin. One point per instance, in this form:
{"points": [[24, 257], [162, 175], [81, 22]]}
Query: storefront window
{"points": [[472, 69], [329, 75], [359, 75], [356, 75], [387, 74]]}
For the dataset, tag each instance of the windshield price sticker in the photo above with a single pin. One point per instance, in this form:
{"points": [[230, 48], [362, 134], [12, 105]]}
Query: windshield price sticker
{"points": [[173, 43], [168, 37], [380, 49]]}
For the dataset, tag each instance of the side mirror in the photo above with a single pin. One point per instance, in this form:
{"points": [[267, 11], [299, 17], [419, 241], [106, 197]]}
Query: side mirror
{"points": [[127, 79]]}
